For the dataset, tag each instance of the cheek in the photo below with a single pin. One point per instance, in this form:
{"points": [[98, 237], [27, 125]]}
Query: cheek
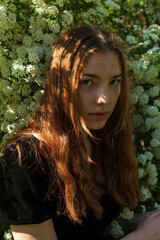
{"points": [[117, 95], [82, 102]]}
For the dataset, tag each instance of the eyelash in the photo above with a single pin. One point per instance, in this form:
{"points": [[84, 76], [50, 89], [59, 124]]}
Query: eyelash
{"points": [[115, 80], [85, 82]]}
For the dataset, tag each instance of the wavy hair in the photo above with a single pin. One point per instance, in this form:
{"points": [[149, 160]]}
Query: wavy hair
{"points": [[60, 126]]}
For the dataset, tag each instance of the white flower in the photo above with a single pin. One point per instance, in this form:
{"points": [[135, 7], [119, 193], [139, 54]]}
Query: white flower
{"points": [[137, 69], [134, 98], [54, 26], [149, 155], [156, 205], [138, 90], [6, 90], [118, 20], [143, 208], [33, 57], [7, 127], [22, 110], [152, 174], [101, 12], [127, 214], [67, 18], [40, 10], [137, 27], [156, 133], [131, 39], [145, 194], [27, 41], [156, 103], [156, 152], [141, 172], [152, 50], [144, 63], [22, 51], [52, 11], [10, 115], [38, 95], [151, 110], [137, 120], [33, 106], [18, 69], [142, 159], [116, 230], [154, 91], [39, 35], [143, 99], [3, 20], [33, 70], [151, 74], [37, 48], [3, 9], [8, 235], [48, 39], [155, 142], [40, 80], [154, 37], [153, 122], [38, 2], [112, 4], [88, 1]]}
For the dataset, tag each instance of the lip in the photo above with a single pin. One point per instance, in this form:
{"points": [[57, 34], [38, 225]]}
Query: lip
{"points": [[99, 114]]}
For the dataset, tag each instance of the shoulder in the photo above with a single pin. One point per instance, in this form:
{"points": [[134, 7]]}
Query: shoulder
{"points": [[21, 151], [23, 187]]}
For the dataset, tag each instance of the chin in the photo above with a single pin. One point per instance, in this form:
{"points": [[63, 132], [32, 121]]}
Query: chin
{"points": [[96, 127]]}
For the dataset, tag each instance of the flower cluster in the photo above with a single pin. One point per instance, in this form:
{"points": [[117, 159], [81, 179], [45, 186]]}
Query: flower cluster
{"points": [[152, 174], [116, 230], [127, 214], [8, 235], [131, 39], [145, 194], [112, 4]]}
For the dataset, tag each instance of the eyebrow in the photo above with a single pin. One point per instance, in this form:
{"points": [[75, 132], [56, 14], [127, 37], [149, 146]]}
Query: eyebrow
{"points": [[96, 76]]}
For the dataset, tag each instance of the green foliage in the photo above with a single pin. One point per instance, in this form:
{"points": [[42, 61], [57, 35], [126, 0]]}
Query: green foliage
{"points": [[28, 31]]}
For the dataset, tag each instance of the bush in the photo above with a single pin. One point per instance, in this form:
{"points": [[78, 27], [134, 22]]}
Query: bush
{"points": [[28, 31]]}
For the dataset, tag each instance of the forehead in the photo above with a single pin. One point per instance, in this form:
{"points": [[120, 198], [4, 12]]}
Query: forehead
{"points": [[103, 64]]}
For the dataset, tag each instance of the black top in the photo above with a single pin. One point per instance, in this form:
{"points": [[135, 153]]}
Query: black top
{"points": [[22, 198]]}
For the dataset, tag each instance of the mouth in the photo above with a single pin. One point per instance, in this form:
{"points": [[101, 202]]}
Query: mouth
{"points": [[99, 114]]}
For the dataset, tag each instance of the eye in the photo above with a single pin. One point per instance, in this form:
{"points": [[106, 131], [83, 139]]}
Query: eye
{"points": [[115, 82], [86, 82]]}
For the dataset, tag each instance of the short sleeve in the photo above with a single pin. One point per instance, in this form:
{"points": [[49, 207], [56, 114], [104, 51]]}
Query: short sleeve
{"points": [[22, 188]]}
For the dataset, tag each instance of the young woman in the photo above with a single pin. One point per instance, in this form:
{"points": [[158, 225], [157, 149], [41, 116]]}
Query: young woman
{"points": [[66, 174]]}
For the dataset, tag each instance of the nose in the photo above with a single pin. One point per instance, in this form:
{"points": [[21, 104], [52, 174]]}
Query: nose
{"points": [[102, 98]]}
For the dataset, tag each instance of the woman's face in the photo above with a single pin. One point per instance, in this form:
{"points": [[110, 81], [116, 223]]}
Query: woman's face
{"points": [[99, 88]]}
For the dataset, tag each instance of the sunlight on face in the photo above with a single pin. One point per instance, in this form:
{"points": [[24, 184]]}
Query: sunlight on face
{"points": [[99, 88]]}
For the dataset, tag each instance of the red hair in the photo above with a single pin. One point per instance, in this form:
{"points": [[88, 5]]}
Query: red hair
{"points": [[59, 125]]}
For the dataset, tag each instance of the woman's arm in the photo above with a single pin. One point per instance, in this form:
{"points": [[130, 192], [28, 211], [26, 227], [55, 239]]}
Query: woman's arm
{"points": [[39, 231], [148, 229]]}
